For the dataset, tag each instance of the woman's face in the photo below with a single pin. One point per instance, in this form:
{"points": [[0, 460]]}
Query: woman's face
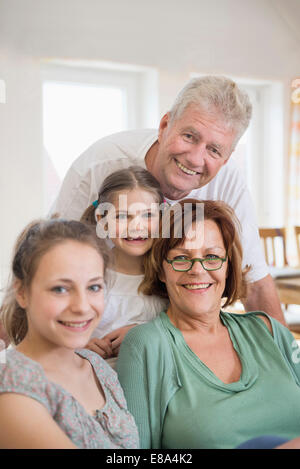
{"points": [[65, 300], [197, 292]]}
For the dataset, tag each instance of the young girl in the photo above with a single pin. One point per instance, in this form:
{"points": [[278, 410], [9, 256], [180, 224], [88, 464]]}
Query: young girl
{"points": [[52, 396], [131, 199]]}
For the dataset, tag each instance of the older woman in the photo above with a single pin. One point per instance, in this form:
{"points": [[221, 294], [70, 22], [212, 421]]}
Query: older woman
{"points": [[196, 376]]}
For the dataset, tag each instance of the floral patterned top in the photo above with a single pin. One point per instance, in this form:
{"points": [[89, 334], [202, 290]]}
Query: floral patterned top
{"points": [[111, 427]]}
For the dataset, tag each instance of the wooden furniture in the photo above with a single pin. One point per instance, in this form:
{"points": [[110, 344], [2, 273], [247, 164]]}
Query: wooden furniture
{"points": [[289, 293], [269, 235], [289, 289], [286, 278], [297, 235]]}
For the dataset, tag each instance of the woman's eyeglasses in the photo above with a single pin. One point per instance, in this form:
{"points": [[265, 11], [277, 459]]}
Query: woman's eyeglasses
{"points": [[208, 263]]}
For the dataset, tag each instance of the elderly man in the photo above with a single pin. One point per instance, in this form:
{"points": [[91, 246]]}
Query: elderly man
{"points": [[190, 157]]}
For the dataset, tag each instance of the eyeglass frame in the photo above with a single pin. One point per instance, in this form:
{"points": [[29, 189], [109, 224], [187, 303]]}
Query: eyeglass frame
{"points": [[195, 259]]}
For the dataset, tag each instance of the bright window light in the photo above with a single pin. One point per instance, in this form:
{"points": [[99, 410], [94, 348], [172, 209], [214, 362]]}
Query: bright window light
{"points": [[74, 117], [77, 115], [241, 155]]}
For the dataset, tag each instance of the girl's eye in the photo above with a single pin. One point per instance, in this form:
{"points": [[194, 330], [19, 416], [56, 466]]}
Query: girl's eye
{"points": [[121, 216], [96, 288], [59, 289], [148, 215]]}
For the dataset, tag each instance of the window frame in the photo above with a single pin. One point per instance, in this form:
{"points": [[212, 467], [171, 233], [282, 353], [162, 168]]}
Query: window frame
{"points": [[266, 180], [139, 84]]}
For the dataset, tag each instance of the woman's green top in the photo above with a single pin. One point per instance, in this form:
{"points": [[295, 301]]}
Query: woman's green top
{"points": [[178, 402]]}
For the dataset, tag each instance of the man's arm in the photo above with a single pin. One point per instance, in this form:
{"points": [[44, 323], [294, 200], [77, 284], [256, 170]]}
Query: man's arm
{"points": [[73, 197], [263, 296]]}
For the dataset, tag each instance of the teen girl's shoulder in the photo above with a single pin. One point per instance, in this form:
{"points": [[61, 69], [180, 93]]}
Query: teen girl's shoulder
{"points": [[21, 375]]}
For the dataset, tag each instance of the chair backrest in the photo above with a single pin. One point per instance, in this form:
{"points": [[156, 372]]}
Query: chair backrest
{"points": [[269, 235], [297, 234]]}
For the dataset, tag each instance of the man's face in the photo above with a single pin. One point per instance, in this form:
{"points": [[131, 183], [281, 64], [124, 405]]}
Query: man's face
{"points": [[191, 151]]}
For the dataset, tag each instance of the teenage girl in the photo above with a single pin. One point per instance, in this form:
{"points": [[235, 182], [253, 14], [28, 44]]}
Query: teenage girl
{"points": [[53, 393], [127, 212]]}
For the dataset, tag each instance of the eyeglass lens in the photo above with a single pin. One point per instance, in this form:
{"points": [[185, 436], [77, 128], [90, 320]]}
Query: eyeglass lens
{"points": [[208, 264]]}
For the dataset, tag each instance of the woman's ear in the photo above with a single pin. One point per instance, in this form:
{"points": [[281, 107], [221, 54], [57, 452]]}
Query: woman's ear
{"points": [[21, 294], [161, 276], [228, 267]]}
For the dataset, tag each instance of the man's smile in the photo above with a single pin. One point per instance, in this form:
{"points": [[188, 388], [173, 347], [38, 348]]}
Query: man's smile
{"points": [[185, 169]]}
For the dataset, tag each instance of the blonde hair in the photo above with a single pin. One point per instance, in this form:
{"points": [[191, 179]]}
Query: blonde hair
{"points": [[34, 241], [124, 179]]}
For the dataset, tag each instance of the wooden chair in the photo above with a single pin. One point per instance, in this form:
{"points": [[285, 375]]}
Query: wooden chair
{"points": [[272, 234], [268, 236], [297, 235]]}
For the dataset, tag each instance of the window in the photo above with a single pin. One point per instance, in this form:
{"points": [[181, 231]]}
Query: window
{"points": [[82, 104], [260, 152], [249, 151]]}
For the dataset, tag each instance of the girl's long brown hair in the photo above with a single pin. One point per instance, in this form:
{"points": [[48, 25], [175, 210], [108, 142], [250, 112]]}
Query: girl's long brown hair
{"points": [[129, 178], [34, 241]]}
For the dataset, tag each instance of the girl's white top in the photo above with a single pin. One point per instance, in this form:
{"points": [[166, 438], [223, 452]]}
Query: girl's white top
{"points": [[124, 305]]}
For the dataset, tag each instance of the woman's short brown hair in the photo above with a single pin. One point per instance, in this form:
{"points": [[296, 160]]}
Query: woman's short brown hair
{"points": [[224, 217]]}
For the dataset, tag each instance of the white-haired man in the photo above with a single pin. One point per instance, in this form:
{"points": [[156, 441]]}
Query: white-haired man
{"points": [[189, 156]]}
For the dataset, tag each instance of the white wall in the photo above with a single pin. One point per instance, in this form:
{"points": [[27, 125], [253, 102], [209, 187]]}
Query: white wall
{"points": [[21, 165], [257, 38]]}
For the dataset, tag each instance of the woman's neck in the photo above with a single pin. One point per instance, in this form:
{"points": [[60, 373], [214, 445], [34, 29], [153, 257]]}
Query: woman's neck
{"points": [[126, 264], [52, 358], [208, 323]]}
